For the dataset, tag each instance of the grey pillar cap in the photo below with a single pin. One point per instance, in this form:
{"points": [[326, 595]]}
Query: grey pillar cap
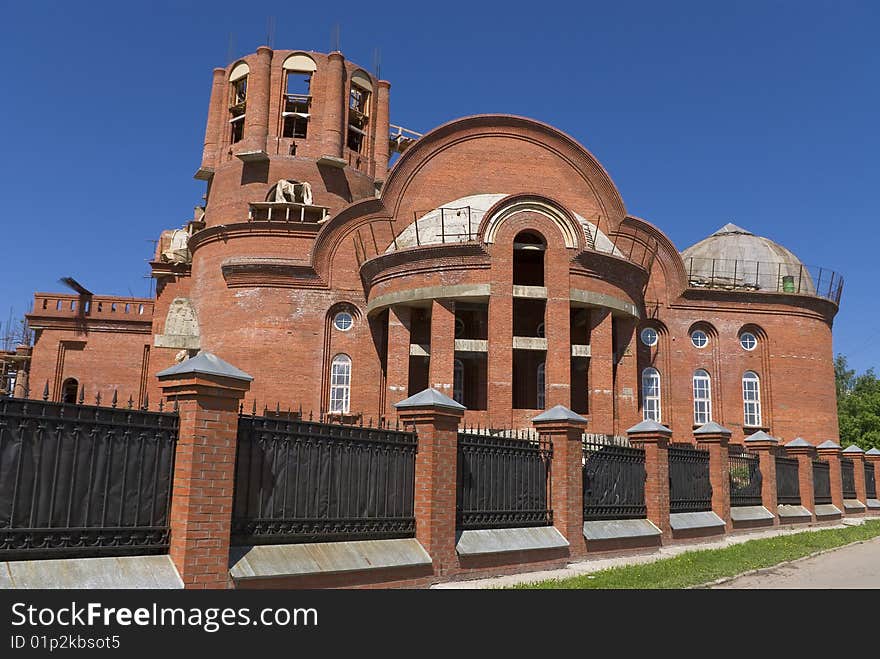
{"points": [[206, 363], [798, 442], [429, 398], [761, 436], [650, 426], [872, 451], [828, 444], [853, 449], [712, 428], [559, 413]]}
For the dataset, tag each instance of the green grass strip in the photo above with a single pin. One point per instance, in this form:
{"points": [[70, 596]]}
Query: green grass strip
{"points": [[698, 567]]}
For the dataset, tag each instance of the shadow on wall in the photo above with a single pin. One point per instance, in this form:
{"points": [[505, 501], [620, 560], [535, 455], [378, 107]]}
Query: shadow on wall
{"points": [[335, 182], [255, 172]]}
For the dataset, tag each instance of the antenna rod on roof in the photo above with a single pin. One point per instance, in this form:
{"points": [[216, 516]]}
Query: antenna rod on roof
{"points": [[334, 38]]}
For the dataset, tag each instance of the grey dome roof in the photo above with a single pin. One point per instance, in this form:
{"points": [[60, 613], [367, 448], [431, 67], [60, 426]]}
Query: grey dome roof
{"points": [[735, 258]]}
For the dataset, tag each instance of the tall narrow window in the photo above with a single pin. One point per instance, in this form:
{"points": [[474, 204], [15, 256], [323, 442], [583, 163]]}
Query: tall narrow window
{"points": [[69, 390], [651, 394], [540, 385], [702, 397], [297, 98], [458, 381], [358, 110], [237, 100], [751, 399], [340, 384]]}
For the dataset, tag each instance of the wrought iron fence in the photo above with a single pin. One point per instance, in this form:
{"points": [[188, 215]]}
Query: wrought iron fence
{"points": [[614, 480], [870, 481], [848, 477], [821, 482], [504, 481], [788, 486], [306, 481], [83, 480], [689, 487], [745, 478]]}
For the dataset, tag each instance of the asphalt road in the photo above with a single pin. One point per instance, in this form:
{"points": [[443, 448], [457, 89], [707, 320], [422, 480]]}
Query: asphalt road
{"points": [[856, 566]]}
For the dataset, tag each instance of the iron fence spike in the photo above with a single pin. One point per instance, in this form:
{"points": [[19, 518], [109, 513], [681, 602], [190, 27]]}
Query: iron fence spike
{"points": [[130, 401], [115, 398], [82, 394], [176, 406], [146, 401], [98, 399], [254, 411], [161, 405], [46, 391]]}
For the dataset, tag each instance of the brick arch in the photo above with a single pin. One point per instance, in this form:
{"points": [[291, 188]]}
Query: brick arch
{"points": [[668, 264], [570, 230], [560, 148]]}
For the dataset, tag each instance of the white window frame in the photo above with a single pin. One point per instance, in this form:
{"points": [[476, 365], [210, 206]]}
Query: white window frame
{"points": [[340, 384], [458, 381], [702, 397], [705, 338], [655, 334], [754, 340], [751, 382], [541, 385], [350, 320], [651, 395]]}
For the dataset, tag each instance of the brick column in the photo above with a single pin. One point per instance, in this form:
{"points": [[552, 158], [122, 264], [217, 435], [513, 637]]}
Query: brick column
{"points": [[872, 457], [804, 452], [716, 438], [208, 392], [499, 387], [857, 455], [440, 366], [381, 148], [564, 429], [256, 121], [335, 103], [765, 446], [654, 438], [215, 124], [829, 452], [435, 419], [601, 376], [397, 360]]}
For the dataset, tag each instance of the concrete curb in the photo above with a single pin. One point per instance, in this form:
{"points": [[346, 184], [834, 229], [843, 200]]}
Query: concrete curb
{"points": [[764, 570]]}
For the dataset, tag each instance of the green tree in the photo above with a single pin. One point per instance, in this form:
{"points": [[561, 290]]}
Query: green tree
{"points": [[858, 405]]}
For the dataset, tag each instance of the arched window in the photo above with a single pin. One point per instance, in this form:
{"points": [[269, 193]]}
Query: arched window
{"points": [[297, 97], [358, 110], [751, 399], [651, 394], [539, 384], [69, 390], [340, 384], [237, 100], [702, 397], [458, 381], [528, 259]]}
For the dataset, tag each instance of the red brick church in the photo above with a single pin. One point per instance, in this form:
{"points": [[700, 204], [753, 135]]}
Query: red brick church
{"points": [[494, 261]]}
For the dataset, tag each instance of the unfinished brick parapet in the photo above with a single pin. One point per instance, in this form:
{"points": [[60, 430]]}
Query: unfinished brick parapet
{"points": [[564, 429], [204, 478]]}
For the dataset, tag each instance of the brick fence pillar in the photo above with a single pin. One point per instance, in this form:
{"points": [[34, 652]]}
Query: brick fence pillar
{"points": [[872, 457], [829, 452], [208, 392], [564, 429], [716, 438], [804, 452], [654, 439], [857, 455], [435, 418], [765, 447]]}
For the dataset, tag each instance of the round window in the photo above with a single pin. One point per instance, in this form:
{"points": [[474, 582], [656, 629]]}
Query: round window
{"points": [[459, 327], [649, 336], [540, 330], [748, 341], [343, 321], [699, 338]]}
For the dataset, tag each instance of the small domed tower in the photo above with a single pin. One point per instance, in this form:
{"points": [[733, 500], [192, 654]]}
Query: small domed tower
{"points": [[300, 117]]}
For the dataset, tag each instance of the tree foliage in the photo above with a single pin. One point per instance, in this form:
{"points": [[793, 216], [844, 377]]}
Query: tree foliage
{"points": [[858, 405]]}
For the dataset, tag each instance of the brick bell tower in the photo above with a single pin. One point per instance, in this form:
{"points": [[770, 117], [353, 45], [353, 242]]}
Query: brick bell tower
{"points": [[295, 116]]}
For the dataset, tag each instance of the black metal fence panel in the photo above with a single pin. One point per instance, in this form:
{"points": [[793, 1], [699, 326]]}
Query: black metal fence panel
{"points": [[848, 476], [503, 481], [614, 481], [84, 481], [870, 481], [788, 485], [745, 478], [821, 482], [303, 481], [689, 487]]}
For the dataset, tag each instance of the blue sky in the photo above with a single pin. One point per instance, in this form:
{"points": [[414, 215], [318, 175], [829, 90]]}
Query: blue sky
{"points": [[763, 113]]}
